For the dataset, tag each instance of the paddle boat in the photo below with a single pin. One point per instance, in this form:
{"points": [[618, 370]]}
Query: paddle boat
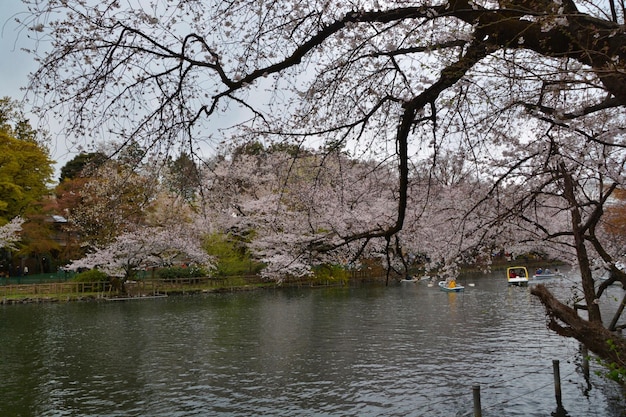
{"points": [[517, 275], [451, 286], [545, 274]]}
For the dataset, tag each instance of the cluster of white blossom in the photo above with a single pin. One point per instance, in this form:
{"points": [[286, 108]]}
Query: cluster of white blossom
{"points": [[147, 247], [9, 233]]}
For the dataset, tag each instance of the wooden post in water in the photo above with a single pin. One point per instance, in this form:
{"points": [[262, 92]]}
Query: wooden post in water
{"points": [[477, 408], [557, 382], [560, 411], [585, 354]]}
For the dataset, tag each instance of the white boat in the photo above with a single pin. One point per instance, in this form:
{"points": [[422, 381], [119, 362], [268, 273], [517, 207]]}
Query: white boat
{"points": [[517, 275], [546, 275], [444, 286], [416, 279]]}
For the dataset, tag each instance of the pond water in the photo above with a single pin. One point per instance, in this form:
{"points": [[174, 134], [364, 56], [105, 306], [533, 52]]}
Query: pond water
{"points": [[403, 350]]}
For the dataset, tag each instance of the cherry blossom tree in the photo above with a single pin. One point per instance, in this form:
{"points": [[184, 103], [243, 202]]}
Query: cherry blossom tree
{"points": [[146, 247], [160, 75], [9, 233], [109, 201], [286, 208], [146, 226], [519, 89]]}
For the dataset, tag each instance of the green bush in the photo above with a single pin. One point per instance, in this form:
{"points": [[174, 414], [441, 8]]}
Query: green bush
{"points": [[232, 255], [330, 273], [93, 275], [614, 371]]}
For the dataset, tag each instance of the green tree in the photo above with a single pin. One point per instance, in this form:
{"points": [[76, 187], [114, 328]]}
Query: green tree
{"points": [[231, 252], [25, 169], [112, 200], [14, 122], [76, 167], [184, 177]]}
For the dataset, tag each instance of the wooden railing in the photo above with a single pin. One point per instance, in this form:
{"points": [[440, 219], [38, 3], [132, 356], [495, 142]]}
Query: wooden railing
{"points": [[108, 289], [63, 290]]}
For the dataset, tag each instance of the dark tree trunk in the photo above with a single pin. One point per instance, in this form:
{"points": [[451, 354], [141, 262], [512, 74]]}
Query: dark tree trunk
{"points": [[565, 321], [578, 231]]}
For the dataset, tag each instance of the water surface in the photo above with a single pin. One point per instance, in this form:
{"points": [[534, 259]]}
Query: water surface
{"points": [[405, 350]]}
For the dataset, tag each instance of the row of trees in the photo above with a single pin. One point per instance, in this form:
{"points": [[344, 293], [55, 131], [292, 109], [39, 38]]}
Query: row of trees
{"points": [[106, 208], [291, 208], [295, 209], [500, 122]]}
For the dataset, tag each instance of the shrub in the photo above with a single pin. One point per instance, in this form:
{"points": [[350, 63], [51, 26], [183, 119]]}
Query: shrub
{"points": [[614, 371], [233, 257], [330, 273], [93, 275]]}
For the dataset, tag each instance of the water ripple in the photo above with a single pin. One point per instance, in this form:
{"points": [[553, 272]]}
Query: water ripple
{"points": [[400, 351]]}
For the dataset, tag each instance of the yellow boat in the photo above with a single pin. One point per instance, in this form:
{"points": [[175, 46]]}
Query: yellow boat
{"points": [[450, 286], [517, 275]]}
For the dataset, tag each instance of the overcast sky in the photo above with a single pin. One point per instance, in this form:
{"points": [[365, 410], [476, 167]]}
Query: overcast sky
{"points": [[15, 64]]}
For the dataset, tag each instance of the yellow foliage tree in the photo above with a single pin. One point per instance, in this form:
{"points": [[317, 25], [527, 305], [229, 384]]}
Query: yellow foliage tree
{"points": [[25, 165]]}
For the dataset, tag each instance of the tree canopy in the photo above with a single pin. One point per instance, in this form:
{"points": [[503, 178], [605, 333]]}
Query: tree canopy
{"points": [[14, 123], [76, 166], [511, 111], [399, 79], [25, 165]]}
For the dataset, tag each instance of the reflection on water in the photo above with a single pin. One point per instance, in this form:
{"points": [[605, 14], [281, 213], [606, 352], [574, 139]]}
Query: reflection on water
{"points": [[408, 350]]}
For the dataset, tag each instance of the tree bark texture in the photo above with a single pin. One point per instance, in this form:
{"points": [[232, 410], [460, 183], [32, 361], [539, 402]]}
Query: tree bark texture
{"points": [[565, 321]]}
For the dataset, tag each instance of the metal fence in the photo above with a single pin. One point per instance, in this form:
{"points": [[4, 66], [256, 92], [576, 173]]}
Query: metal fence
{"points": [[60, 276]]}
